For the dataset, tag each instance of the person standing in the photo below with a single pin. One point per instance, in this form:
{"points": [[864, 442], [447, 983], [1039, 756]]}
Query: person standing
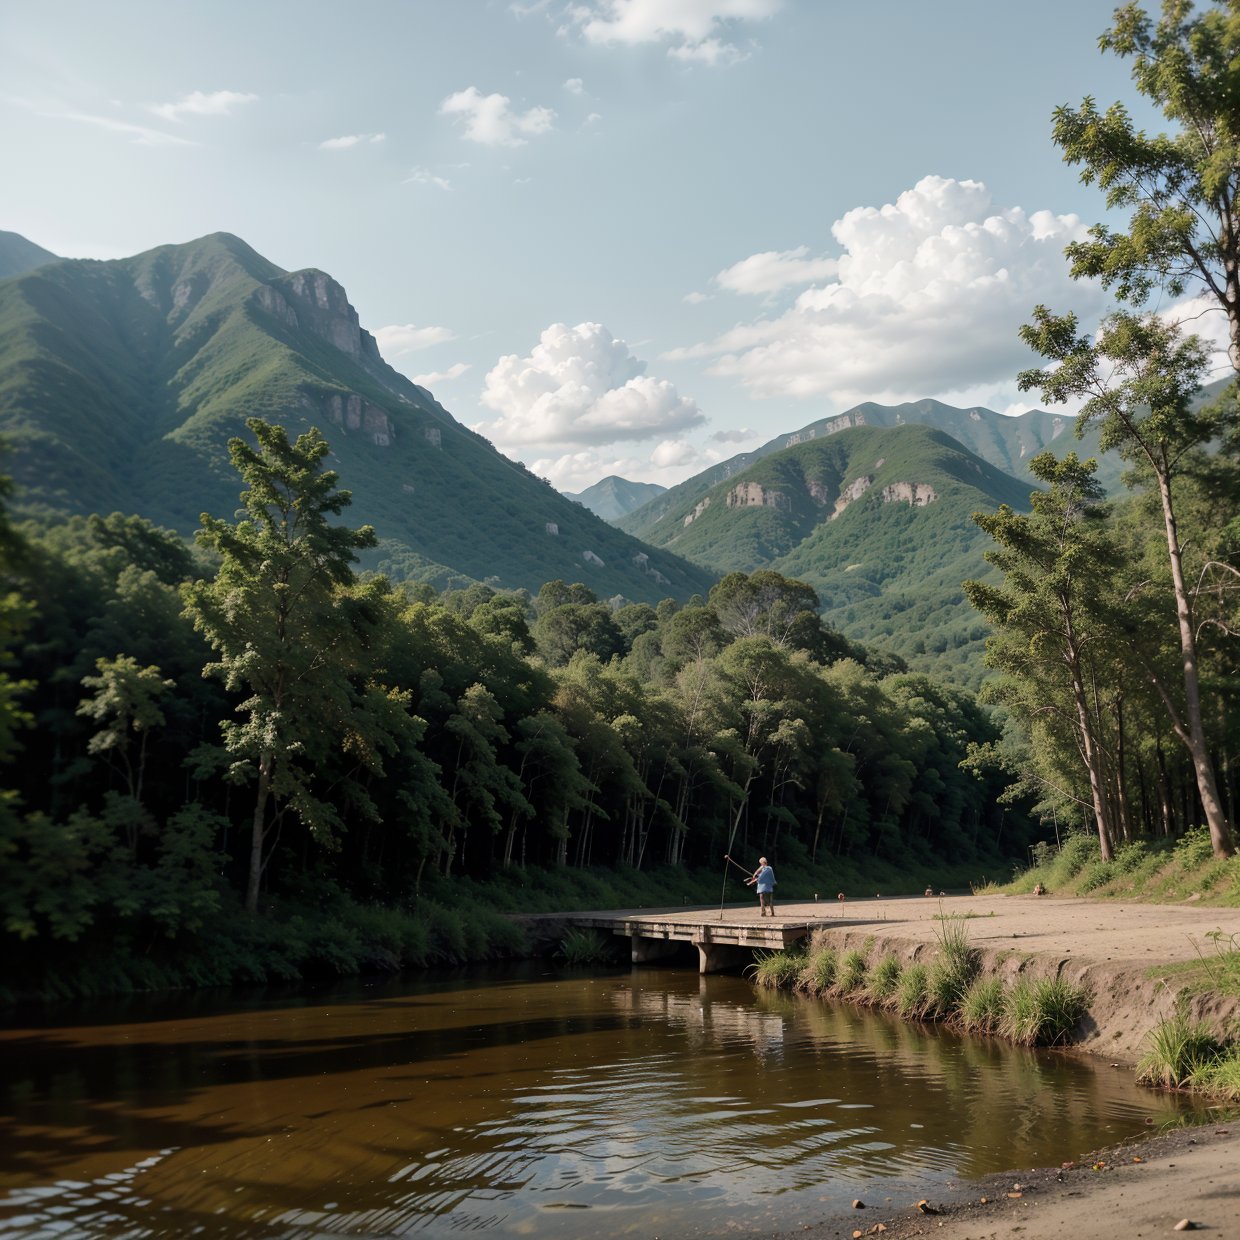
{"points": [[764, 879]]}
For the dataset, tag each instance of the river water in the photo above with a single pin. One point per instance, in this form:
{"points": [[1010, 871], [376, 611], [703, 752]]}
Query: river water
{"points": [[522, 1101]]}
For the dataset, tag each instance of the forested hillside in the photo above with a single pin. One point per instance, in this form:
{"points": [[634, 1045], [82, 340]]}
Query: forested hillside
{"points": [[121, 383]]}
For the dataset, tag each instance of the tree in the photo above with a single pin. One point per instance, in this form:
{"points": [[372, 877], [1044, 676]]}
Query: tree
{"points": [[282, 627], [1182, 189], [1057, 562], [1138, 377]]}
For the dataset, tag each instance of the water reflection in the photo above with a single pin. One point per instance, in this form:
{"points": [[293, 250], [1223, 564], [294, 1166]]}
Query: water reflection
{"points": [[651, 1101]]}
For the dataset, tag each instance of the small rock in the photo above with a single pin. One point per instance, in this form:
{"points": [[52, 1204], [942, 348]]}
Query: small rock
{"points": [[1185, 1224], [985, 1201], [858, 1204], [1014, 1195], [1068, 1166], [857, 1235], [925, 1207], [876, 1229]]}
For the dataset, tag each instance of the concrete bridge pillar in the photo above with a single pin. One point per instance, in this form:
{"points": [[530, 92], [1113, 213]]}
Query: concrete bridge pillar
{"points": [[715, 957], [642, 949]]}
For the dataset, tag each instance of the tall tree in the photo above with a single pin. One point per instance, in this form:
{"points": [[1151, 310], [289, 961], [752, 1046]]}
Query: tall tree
{"points": [[281, 626], [1056, 561]]}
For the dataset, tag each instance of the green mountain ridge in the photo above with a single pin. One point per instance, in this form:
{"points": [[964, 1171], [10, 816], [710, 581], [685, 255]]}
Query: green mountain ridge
{"points": [[122, 381], [877, 520], [613, 496], [17, 255], [1008, 443]]}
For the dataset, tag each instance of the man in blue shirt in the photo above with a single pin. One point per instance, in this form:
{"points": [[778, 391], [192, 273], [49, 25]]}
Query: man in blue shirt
{"points": [[764, 878]]}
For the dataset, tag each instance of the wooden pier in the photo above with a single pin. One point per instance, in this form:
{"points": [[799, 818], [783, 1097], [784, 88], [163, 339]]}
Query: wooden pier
{"points": [[722, 942]]}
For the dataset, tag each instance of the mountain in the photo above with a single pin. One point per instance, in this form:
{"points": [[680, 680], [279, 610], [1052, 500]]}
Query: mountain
{"points": [[616, 497], [122, 381], [18, 256], [876, 519], [1008, 443]]}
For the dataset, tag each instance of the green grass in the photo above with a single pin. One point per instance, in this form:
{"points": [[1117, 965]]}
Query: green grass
{"points": [[852, 973], [586, 947], [818, 974], [954, 968], [1155, 871], [911, 992], [1179, 1051], [884, 978], [982, 1006], [776, 970], [1043, 1012]]}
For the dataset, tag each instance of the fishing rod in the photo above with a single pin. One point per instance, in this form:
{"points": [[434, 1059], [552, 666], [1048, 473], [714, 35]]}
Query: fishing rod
{"points": [[724, 892]]}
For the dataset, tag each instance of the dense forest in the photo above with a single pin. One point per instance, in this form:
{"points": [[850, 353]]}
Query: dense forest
{"points": [[253, 724]]}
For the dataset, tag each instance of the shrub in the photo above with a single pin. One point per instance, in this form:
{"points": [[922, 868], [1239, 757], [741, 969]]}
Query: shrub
{"points": [[1220, 1076], [954, 968]]}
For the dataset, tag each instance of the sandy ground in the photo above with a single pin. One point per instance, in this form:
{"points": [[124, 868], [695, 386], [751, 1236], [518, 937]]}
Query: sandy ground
{"points": [[1139, 1190]]}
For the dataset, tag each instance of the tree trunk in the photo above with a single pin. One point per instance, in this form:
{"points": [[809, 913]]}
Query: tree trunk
{"points": [[1221, 839], [258, 833]]}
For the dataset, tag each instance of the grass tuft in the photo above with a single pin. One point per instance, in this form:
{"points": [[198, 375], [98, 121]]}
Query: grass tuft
{"points": [[1180, 1049], [818, 974], [884, 978], [1043, 1012], [910, 993], [852, 973], [586, 946], [776, 970], [981, 1008]]}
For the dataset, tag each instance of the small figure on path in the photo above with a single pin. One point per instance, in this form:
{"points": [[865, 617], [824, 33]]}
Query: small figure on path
{"points": [[764, 877], [1039, 890]]}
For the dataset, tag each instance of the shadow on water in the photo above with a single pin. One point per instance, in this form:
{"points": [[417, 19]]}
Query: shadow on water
{"points": [[516, 1101]]}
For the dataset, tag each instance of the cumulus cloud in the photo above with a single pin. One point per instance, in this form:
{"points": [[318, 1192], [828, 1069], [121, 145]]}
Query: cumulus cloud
{"points": [[581, 386], [352, 139], [574, 86], [435, 377], [741, 434], [398, 338], [490, 120], [691, 29], [695, 298], [772, 270], [927, 298], [203, 103]]}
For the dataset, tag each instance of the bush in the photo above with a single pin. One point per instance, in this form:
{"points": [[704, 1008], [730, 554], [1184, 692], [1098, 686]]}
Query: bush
{"points": [[954, 968], [586, 947]]}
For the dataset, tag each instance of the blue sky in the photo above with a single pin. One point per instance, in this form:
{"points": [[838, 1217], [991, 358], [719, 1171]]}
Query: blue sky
{"points": [[629, 236]]}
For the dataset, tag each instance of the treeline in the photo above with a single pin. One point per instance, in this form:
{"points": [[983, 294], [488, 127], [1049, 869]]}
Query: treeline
{"points": [[189, 730]]}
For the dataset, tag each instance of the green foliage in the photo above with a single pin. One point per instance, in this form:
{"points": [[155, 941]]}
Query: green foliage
{"points": [[581, 947], [852, 973], [1179, 1050], [884, 978], [1043, 1012], [954, 968], [819, 971], [776, 970], [912, 993], [983, 1005]]}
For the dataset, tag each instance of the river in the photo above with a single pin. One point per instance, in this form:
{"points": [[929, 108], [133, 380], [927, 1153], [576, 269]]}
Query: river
{"points": [[518, 1101]]}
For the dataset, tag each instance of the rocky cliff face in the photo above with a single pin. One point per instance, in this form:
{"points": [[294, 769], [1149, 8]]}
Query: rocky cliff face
{"points": [[853, 491], [917, 494], [755, 495]]}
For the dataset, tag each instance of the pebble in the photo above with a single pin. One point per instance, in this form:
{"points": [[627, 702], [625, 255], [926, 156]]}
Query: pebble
{"points": [[858, 1204], [1185, 1224]]}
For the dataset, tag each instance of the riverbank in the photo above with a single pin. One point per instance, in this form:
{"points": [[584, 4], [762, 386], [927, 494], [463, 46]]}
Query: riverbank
{"points": [[1140, 1189]]}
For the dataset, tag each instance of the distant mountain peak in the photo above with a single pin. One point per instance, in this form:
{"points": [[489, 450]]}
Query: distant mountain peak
{"points": [[614, 497], [19, 255]]}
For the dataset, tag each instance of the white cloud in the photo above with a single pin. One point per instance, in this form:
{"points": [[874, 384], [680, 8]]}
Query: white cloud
{"points": [[424, 176], [695, 298], [141, 135], [772, 270], [201, 103], [690, 28], [581, 386], [490, 120], [928, 297], [350, 140], [436, 377], [574, 86], [740, 435], [398, 338], [575, 471]]}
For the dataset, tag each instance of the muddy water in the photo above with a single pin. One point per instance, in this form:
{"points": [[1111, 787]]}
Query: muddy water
{"points": [[522, 1103]]}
